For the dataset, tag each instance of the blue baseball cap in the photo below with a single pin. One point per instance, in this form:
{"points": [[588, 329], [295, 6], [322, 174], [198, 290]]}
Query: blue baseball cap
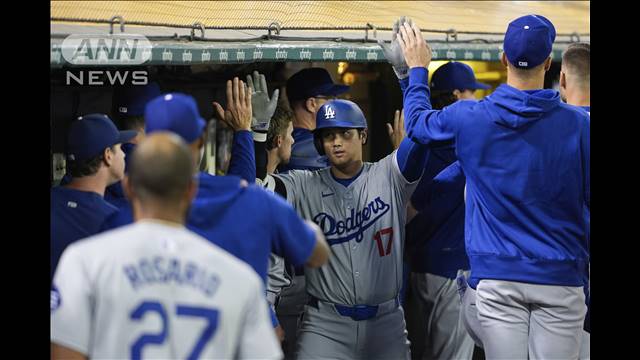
{"points": [[91, 134], [131, 100], [528, 41], [455, 75], [312, 82], [177, 113]]}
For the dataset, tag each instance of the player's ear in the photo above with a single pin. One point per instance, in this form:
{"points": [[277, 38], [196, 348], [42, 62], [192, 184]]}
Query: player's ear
{"points": [[107, 155], [547, 64], [364, 135], [278, 141], [563, 80], [503, 59], [310, 105]]}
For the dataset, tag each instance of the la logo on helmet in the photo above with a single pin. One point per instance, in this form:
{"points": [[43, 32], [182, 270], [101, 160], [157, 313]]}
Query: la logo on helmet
{"points": [[329, 113]]}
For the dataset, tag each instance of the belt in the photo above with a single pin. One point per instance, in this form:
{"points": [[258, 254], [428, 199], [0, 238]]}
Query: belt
{"points": [[358, 312]]}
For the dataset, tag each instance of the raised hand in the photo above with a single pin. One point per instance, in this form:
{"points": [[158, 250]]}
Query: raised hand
{"points": [[238, 112], [396, 131], [393, 51], [263, 106], [415, 49]]}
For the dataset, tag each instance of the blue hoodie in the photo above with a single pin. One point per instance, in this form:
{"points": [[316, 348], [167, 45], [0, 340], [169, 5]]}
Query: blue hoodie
{"points": [[435, 236], [246, 221], [526, 158]]}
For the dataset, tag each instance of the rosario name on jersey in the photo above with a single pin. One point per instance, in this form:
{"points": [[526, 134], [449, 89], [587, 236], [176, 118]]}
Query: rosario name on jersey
{"points": [[364, 225], [157, 290]]}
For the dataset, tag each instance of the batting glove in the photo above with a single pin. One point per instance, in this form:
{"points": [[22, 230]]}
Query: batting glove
{"points": [[393, 51], [263, 106]]}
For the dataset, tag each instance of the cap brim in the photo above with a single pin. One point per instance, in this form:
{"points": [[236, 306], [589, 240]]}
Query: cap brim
{"points": [[126, 136]]}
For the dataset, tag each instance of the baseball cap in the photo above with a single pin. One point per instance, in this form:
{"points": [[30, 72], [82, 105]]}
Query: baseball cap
{"points": [[91, 134], [312, 82], [174, 112], [528, 41], [455, 75], [131, 100]]}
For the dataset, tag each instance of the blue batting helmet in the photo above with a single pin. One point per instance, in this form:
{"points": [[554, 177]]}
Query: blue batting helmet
{"points": [[337, 114]]}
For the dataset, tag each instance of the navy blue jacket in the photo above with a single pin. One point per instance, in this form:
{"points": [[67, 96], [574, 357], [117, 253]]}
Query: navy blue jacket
{"points": [[526, 158]]}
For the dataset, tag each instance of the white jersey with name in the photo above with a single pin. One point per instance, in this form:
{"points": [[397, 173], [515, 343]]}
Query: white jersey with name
{"points": [[364, 225], [155, 290]]}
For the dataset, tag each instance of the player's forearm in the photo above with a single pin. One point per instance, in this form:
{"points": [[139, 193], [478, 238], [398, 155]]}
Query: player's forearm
{"points": [[321, 250], [412, 159], [243, 162], [260, 158], [422, 123]]}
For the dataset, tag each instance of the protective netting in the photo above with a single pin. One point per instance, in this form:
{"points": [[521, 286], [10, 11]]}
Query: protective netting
{"points": [[464, 16]]}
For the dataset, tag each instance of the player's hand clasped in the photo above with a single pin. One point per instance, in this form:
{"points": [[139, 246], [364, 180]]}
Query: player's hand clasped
{"points": [[239, 110], [416, 51]]}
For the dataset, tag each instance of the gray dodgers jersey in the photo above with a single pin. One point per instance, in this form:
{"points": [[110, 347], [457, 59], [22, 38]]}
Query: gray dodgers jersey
{"points": [[152, 290], [364, 225]]}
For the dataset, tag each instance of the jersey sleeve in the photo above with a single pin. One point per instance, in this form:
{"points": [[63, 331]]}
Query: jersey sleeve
{"points": [[71, 303], [585, 149], [412, 159], [257, 337], [243, 161], [294, 240], [294, 183], [390, 169], [422, 123]]}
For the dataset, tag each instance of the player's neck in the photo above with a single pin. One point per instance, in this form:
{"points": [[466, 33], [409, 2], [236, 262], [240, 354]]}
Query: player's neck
{"points": [[526, 84], [158, 213], [304, 120], [272, 161], [347, 171], [96, 183], [579, 98]]}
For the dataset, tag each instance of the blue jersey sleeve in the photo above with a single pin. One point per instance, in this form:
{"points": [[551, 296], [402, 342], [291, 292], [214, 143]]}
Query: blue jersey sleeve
{"points": [[404, 84], [585, 148], [422, 124], [412, 159], [243, 161], [293, 239]]}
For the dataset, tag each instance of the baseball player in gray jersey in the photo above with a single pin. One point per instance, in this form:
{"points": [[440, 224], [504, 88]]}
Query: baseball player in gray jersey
{"points": [[354, 310]]}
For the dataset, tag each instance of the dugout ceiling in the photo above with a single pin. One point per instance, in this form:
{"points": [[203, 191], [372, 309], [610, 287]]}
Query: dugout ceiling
{"points": [[218, 32]]}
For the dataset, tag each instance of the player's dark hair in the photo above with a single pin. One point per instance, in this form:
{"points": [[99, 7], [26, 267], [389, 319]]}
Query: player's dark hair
{"points": [[87, 167], [132, 123], [440, 99], [161, 170], [577, 59], [278, 126]]}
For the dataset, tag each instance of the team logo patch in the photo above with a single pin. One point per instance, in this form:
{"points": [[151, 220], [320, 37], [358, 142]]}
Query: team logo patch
{"points": [[329, 113], [56, 300]]}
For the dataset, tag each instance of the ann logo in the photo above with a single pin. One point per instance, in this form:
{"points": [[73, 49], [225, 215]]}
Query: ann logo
{"points": [[329, 113]]}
